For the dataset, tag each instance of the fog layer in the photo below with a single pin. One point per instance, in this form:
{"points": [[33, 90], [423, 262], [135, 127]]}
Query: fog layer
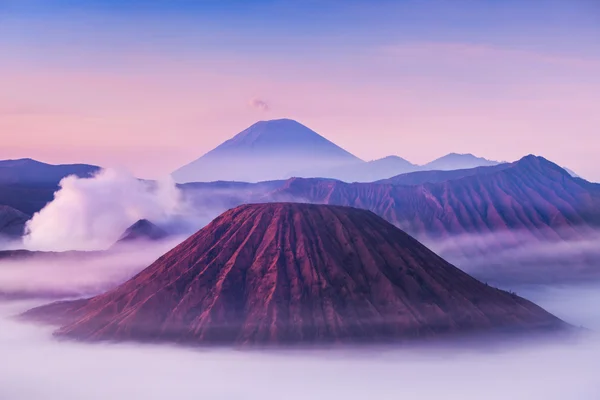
{"points": [[511, 257], [36, 367], [77, 273]]}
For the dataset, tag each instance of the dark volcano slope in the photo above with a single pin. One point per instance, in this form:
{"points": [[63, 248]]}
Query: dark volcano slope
{"points": [[142, 230], [297, 273], [12, 222]]}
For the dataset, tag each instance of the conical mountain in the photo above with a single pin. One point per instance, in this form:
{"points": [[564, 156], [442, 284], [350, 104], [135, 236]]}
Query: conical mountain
{"points": [[267, 150], [298, 273], [12, 222], [142, 230]]}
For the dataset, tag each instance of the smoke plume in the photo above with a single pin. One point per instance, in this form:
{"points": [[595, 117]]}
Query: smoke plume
{"points": [[259, 104], [91, 213]]}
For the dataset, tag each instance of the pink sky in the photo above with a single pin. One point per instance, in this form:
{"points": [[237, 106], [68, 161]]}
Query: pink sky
{"points": [[152, 114]]}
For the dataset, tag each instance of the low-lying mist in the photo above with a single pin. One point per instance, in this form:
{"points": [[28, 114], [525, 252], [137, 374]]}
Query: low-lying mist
{"points": [[513, 257], [35, 366], [77, 273]]}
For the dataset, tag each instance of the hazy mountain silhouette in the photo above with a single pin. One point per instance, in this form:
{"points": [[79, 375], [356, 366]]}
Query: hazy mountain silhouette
{"points": [[457, 161], [28, 185], [12, 222], [28, 171], [372, 170], [267, 150], [142, 230], [437, 176], [389, 167], [297, 273], [283, 148]]}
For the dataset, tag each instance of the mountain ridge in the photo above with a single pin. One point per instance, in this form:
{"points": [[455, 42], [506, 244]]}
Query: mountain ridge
{"points": [[30, 171], [283, 148], [431, 212], [453, 161]]}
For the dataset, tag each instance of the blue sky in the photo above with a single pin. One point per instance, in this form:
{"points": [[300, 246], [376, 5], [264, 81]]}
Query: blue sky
{"points": [[565, 27]]}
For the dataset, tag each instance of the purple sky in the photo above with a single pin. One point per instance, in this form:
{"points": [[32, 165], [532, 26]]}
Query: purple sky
{"points": [[152, 85]]}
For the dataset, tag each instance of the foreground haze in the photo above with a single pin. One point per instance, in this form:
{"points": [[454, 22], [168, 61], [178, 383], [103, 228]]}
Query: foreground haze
{"points": [[44, 368]]}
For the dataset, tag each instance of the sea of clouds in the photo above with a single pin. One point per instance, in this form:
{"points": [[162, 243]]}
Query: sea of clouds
{"points": [[36, 366]]}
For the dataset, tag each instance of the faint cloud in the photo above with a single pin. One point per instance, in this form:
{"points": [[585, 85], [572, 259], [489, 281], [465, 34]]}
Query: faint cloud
{"points": [[485, 52], [259, 104]]}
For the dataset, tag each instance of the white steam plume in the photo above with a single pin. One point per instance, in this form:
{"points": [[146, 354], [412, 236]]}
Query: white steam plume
{"points": [[92, 213]]}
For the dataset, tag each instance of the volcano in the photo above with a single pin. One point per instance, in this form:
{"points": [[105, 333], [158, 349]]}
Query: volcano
{"points": [[12, 222], [297, 273], [267, 150], [142, 230]]}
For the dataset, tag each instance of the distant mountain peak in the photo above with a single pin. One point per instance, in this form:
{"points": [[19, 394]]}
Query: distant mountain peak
{"points": [[539, 163], [279, 121], [532, 159], [272, 133], [462, 155], [142, 230], [12, 222], [392, 158], [454, 161], [267, 150]]}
